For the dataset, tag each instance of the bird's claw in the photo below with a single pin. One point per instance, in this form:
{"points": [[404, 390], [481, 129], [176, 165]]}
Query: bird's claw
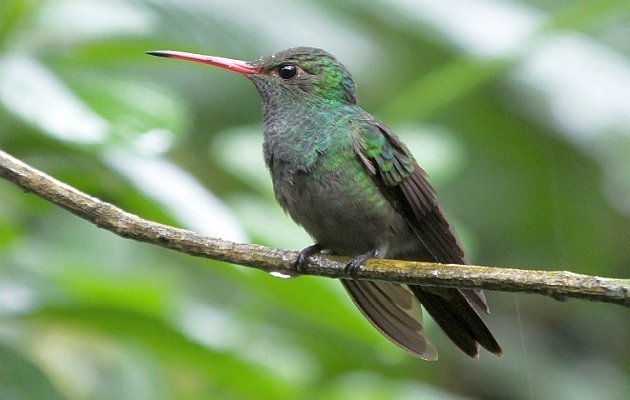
{"points": [[353, 266], [301, 262]]}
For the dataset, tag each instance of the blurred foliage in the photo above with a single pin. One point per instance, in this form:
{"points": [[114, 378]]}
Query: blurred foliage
{"points": [[519, 110]]}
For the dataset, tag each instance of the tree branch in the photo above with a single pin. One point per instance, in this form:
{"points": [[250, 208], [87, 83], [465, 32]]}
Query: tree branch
{"points": [[560, 285]]}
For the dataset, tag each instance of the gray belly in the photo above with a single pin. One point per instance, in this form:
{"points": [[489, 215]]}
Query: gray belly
{"points": [[346, 216]]}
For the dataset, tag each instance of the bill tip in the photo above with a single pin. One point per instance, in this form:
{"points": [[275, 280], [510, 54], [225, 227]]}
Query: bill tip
{"points": [[158, 53]]}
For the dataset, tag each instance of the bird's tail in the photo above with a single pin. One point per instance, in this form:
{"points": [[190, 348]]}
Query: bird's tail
{"points": [[458, 319]]}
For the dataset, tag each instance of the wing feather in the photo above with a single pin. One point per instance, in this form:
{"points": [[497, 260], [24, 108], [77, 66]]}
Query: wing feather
{"points": [[400, 178]]}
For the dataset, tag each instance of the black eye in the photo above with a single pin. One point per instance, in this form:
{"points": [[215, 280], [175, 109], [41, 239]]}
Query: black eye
{"points": [[287, 71]]}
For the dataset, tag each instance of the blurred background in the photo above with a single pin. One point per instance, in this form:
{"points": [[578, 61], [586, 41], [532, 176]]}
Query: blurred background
{"points": [[519, 111]]}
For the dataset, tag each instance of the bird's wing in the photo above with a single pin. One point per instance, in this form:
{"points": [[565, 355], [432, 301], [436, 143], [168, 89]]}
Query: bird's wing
{"points": [[402, 180], [405, 185]]}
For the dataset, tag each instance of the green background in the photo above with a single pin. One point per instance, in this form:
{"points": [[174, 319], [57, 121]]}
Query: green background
{"points": [[519, 111]]}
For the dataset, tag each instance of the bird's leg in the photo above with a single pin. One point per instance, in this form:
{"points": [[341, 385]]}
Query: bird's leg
{"points": [[302, 259], [354, 264]]}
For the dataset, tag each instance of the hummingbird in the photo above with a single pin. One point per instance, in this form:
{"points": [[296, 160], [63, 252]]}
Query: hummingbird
{"points": [[353, 185]]}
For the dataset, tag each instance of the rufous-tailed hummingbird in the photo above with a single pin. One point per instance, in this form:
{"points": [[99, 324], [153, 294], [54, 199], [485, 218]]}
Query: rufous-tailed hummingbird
{"points": [[355, 187]]}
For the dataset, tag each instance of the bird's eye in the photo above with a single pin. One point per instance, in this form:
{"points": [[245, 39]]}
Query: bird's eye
{"points": [[287, 71]]}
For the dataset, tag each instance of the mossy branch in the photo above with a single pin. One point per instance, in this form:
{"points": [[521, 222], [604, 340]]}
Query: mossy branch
{"points": [[560, 285]]}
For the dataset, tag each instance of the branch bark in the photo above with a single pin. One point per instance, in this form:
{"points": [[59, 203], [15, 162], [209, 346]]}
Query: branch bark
{"points": [[560, 285]]}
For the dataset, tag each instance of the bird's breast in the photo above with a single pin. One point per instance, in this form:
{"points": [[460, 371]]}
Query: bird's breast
{"points": [[340, 206]]}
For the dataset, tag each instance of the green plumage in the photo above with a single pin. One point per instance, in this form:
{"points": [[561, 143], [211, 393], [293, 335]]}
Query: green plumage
{"points": [[354, 186]]}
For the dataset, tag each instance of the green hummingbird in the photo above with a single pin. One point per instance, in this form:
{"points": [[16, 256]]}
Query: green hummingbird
{"points": [[357, 190]]}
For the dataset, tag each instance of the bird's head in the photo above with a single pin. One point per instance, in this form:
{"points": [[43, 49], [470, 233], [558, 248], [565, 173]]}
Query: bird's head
{"points": [[303, 74]]}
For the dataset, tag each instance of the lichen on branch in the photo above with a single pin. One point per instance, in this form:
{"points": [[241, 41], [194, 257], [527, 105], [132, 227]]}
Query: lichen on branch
{"points": [[560, 285]]}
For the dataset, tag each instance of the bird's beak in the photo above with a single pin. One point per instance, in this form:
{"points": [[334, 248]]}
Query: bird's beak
{"points": [[238, 66]]}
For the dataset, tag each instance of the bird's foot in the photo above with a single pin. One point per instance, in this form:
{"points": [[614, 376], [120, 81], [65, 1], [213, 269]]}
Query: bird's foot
{"points": [[302, 259], [353, 266]]}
